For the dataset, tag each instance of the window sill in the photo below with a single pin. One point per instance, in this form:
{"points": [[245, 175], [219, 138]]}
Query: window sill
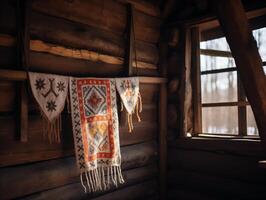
{"points": [[228, 137], [222, 145]]}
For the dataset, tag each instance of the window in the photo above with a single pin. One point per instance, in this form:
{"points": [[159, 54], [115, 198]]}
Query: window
{"points": [[225, 109]]}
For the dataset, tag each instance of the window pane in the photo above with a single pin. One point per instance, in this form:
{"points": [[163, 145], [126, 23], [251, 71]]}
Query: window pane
{"points": [[213, 62], [251, 123], [220, 87], [216, 44], [220, 120], [260, 37]]}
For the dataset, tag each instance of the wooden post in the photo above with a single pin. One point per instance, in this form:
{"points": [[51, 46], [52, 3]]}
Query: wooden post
{"points": [[185, 74], [23, 8], [163, 139], [196, 84], [130, 40], [23, 123], [234, 23]]}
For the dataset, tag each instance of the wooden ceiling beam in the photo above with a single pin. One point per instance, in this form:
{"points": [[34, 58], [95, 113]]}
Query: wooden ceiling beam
{"points": [[234, 23]]}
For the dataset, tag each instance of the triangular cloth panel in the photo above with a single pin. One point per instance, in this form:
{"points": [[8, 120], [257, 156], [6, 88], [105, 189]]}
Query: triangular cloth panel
{"points": [[50, 92], [128, 89], [96, 132]]}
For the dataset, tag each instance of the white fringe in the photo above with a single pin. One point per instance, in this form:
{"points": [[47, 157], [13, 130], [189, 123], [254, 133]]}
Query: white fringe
{"points": [[99, 178]]}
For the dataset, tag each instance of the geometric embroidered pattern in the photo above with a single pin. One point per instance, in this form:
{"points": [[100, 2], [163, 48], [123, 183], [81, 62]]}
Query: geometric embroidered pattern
{"points": [[94, 100], [95, 123]]}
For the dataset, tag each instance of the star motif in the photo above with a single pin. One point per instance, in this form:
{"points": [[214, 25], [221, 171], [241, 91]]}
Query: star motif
{"points": [[61, 86], [39, 84], [51, 106]]}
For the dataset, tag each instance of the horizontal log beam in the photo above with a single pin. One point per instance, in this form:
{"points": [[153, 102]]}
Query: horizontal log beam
{"points": [[106, 15], [71, 34], [63, 171], [204, 183], [212, 52], [40, 46], [15, 75], [143, 6]]}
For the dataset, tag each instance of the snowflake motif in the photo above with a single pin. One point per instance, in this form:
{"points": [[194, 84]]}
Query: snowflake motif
{"points": [[39, 84], [61, 86], [51, 106]]}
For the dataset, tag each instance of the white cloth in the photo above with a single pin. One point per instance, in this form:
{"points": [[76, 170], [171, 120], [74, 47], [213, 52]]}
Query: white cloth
{"points": [[50, 91]]}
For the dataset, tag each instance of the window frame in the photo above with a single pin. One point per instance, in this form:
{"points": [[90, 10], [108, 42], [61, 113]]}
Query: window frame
{"points": [[241, 102]]}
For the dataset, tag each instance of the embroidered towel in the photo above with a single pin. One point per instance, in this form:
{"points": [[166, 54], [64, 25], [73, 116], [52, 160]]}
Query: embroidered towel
{"points": [[96, 132], [128, 89], [50, 91]]}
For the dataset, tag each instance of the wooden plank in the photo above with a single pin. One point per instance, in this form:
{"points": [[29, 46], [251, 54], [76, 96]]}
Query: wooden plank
{"points": [[8, 58], [144, 6], [64, 171], [23, 112], [13, 152], [163, 139], [224, 187], [240, 103], [7, 40], [8, 17], [137, 191], [70, 34], [40, 46], [234, 146], [74, 191], [215, 71], [242, 110], [196, 83], [244, 49], [107, 15], [16, 75], [218, 163], [130, 43], [218, 53], [42, 62]]}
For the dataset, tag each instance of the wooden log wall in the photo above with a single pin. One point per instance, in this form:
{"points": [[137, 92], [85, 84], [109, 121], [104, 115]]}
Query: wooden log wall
{"points": [[216, 169], [200, 167], [84, 38]]}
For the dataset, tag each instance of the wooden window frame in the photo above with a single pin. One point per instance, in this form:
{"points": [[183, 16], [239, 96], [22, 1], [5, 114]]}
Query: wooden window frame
{"points": [[241, 102]]}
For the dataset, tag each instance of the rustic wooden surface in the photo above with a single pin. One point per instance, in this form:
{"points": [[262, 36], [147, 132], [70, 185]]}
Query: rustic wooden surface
{"points": [[85, 39]]}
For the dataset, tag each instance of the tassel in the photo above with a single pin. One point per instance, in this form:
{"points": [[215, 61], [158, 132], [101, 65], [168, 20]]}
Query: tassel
{"points": [[96, 179]]}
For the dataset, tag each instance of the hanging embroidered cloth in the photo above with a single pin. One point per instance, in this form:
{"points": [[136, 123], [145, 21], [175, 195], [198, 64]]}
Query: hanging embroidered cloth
{"points": [[50, 91], [128, 89], [96, 132]]}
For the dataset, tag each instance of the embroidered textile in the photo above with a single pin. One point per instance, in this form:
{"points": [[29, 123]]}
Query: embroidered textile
{"points": [[96, 132], [50, 91], [128, 89]]}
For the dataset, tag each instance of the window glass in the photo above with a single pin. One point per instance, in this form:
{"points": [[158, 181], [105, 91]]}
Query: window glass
{"points": [[220, 120], [220, 87], [260, 37], [252, 129], [214, 62], [216, 44]]}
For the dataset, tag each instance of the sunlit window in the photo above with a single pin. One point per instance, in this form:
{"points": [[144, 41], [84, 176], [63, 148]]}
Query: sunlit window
{"points": [[225, 109]]}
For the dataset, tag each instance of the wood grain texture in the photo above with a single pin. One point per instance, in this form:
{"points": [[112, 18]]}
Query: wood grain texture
{"points": [[71, 34], [49, 174], [107, 15]]}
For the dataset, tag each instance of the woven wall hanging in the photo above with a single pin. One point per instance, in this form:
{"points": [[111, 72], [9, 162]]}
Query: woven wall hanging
{"points": [[128, 89], [96, 132], [50, 92]]}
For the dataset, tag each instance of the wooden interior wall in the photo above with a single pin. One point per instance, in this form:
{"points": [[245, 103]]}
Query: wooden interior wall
{"points": [[84, 38], [206, 168], [215, 169]]}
